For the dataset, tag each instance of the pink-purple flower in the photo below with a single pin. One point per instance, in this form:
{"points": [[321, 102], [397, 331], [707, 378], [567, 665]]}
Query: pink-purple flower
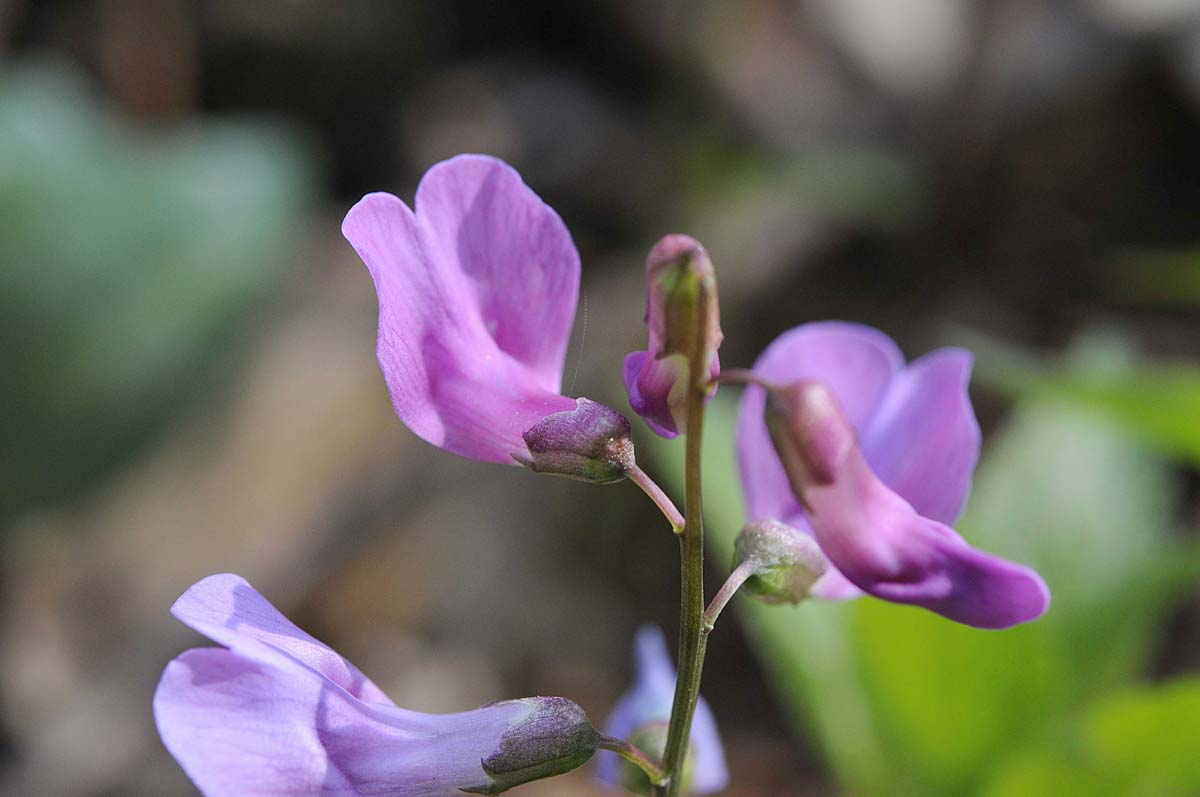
{"points": [[477, 292], [276, 712], [881, 457]]}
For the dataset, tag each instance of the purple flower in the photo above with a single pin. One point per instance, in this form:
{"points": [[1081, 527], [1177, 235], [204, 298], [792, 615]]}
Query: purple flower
{"points": [[643, 712], [879, 463], [656, 379], [477, 292], [276, 712]]}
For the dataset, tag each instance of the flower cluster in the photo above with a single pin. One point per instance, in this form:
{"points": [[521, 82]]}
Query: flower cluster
{"points": [[853, 465], [873, 459]]}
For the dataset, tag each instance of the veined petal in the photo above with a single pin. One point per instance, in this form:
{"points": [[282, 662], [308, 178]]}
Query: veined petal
{"points": [[485, 407], [227, 610], [462, 373], [510, 253], [649, 701], [963, 583], [878, 541], [276, 712], [242, 727], [856, 362], [923, 441]]}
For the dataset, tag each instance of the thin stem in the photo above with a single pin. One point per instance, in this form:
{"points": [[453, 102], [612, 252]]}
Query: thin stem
{"points": [[740, 376], [660, 498], [692, 639], [635, 755], [736, 579]]}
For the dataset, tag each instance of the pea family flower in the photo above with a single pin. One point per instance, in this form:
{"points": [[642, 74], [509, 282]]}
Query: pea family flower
{"points": [[876, 463], [680, 283], [276, 712], [642, 713], [477, 291]]}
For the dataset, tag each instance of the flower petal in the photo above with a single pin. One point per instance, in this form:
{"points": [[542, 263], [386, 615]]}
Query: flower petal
{"points": [[485, 409], [856, 362], [648, 383], [880, 543], [241, 727], [511, 254], [277, 712], [648, 701], [833, 586], [449, 380], [227, 610], [960, 582], [923, 441]]}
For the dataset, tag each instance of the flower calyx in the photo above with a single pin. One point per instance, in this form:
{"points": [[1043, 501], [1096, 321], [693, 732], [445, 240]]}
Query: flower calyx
{"points": [[591, 443], [555, 738], [786, 561]]}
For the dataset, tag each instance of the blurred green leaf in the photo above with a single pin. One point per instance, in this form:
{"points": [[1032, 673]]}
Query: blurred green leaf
{"points": [[1158, 403], [1047, 776], [1089, 508], [132, 257], [1132, 742], [1148, 736]]}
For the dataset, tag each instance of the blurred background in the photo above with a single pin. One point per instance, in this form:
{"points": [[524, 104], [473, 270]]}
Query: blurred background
{"points": [[189, 382]]}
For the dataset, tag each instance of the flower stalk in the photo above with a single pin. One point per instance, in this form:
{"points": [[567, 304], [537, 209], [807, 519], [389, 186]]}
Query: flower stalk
{"points": [[740, 575], [658, 496], [692, 636], [636, 756]]}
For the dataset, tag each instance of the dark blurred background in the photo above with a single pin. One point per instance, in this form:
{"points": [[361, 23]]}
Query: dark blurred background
{"points": [[189, 383]]}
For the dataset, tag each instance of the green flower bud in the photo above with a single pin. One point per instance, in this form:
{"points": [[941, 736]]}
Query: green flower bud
{"points": [[787, 561]]}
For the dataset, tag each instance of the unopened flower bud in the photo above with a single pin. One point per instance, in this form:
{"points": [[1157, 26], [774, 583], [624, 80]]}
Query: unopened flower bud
{"points": [[681, 306], [787, 561], [810, 434], [682, 283], [555, 738], [591, 443]]}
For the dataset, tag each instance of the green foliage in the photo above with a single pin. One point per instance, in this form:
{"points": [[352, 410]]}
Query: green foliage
{"points": [[1159, 403], [905, 702], [129, 257], [1134, 742]]}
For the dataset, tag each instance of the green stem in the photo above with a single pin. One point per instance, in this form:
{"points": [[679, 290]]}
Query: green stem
{"points": [[636, 756], [692, 637], [660, 498]]}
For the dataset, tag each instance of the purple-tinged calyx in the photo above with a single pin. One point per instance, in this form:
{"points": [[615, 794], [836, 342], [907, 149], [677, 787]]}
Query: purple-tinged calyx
{"points": [[873, 536], [641, 715], [682, 313], [555, 738], [274, 711], [786, 562], [591, 443]]}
